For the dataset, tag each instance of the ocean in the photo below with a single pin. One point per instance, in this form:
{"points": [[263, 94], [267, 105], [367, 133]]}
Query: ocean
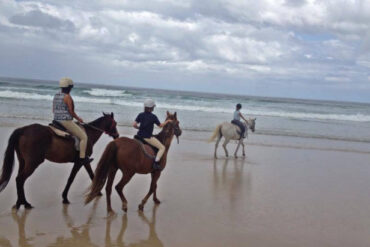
{"points": [[23, 99]]}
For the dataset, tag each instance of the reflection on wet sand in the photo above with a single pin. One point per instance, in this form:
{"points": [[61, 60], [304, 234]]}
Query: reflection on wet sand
{"points": [[80, 235], [152, 239], [20, 219], [230, 178]]}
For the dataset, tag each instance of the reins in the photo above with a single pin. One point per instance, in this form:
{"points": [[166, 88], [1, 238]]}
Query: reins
{"points": [[96, 128]]}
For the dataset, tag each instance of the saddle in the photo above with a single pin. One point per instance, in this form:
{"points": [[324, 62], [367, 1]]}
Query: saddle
{"points": [[238, 130], [61, 131], [149, 150]]}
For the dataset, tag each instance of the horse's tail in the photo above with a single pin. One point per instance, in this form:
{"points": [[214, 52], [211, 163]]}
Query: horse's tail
{"points": [[101, 172], [216, 133], [9, 158]]}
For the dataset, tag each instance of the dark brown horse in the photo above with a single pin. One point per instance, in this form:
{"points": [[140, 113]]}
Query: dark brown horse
{"points": [[35, 143], [127, 155]]}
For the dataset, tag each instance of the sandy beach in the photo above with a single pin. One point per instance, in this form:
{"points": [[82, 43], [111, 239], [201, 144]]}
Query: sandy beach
{"points": [[286, 192]]}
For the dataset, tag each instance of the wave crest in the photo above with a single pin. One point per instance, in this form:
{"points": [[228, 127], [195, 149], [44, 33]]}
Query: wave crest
{"points": [[106, 92]]}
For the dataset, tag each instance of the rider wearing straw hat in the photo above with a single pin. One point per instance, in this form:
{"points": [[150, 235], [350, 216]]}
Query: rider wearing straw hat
{"points": [[63, 109], [144, 122]]}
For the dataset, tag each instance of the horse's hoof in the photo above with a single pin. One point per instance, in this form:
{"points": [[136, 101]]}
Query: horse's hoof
{"points": [[156, 201], [124, 208], [16, 207], [66, 201], [28, 206], [100, 194], [141, 207], [111, 213]]}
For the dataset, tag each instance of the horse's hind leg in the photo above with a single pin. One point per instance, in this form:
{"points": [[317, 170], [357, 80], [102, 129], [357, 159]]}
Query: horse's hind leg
{"points": [[224, 146], [75, 169], [108, 188], [91, 174], [119, 187], [25, 170], [153, 188], [216, 145]]}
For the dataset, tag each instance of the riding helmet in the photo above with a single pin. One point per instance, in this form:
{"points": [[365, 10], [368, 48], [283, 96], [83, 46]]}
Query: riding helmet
{"points": [[149, 103]]}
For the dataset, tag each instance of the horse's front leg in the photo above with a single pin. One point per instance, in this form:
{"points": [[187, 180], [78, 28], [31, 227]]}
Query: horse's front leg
{"points": [[153, 187], [91, 173], [237, 148], [155, 199], [224, 146], [75, 169], [243, 149]]}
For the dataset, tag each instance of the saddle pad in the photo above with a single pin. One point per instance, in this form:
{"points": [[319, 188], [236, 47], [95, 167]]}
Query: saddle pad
{"points": [[66, 135], [149, 150], [59, 132]]}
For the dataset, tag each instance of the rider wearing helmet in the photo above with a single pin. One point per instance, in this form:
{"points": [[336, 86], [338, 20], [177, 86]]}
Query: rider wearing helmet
{"points": [[63, 109], [236, 120], [144, 122]]}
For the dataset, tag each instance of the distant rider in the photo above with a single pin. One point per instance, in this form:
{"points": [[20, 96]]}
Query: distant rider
{"points": [[236, 120], [63, 109], [145, 123]]}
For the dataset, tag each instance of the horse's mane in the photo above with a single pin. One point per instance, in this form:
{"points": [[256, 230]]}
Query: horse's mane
{"points": [[96, 122]]}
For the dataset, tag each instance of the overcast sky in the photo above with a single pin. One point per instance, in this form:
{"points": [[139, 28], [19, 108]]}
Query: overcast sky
{"points": [[283, 48]]}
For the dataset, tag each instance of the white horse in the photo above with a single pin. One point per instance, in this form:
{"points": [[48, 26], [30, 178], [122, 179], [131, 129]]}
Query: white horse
{"points": [[231, 132]]}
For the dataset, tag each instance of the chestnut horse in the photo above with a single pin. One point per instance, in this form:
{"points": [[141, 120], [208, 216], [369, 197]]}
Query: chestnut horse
{"points": [[127, 155], [35, 143]]}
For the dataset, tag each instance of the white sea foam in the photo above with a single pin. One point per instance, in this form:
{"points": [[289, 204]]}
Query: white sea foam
{"points": [[36, 96], [199, 106], [22, 95], [106, 92]]}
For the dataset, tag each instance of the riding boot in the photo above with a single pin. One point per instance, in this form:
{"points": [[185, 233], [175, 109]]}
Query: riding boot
{"points": [[156, 166], [85, 161]]}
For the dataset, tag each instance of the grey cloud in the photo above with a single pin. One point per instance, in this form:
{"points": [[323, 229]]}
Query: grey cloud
{"points": [[36, 18], [295, 45]]}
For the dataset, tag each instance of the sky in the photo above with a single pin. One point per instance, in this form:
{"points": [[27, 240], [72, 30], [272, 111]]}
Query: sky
{"points": [[280, 48]]}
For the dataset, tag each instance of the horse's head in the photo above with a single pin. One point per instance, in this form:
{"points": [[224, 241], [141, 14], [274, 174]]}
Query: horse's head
{"points": [[109, 125], [252, 123], [174, 125]]}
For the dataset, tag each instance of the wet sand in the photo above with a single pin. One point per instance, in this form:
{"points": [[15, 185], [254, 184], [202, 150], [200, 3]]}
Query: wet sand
{"points": [[279, 195]]}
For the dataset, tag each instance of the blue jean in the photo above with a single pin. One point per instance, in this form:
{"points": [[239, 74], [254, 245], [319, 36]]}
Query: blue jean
{"points": [[240, 125]]}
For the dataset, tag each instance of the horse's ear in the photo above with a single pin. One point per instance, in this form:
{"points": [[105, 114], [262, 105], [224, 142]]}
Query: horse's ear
{"points": [[112, 115], [255, 119], [168, 114], [104, 114], [175, 115]]}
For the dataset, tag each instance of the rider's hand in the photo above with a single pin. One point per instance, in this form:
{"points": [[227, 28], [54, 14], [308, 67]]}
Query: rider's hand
{"points": [[80, 120]]}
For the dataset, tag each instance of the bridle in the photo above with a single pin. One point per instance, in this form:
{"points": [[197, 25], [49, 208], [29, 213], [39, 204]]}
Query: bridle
{"points": [[101, 130]]}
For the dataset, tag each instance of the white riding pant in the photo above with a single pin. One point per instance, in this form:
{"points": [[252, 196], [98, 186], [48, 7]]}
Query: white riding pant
{"points": [[80, 133], [161, 148]]}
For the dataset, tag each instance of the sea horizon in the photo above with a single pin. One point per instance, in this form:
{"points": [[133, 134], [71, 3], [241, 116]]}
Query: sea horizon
{"points": [[200, 92]]}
